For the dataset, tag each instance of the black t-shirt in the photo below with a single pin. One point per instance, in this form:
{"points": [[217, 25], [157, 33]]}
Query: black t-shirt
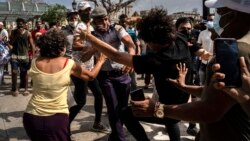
{"points": [[162, 65]]}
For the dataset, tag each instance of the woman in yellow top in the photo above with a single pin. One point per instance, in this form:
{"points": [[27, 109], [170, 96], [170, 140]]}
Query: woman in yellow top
{"points": [[46, 116]]}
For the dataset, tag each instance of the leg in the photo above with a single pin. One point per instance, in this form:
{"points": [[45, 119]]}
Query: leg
{"points": [[97, 92], [133, 125], [173, 131], [98, 105], [115, 91], [147, 80], [79, 95], [1, 73], [14, 71], [135, 128], [133, 81], [24, 79]]}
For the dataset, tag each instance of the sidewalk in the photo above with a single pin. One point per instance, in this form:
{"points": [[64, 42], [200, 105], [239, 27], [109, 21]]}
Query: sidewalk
{"points": [[11, 128]]}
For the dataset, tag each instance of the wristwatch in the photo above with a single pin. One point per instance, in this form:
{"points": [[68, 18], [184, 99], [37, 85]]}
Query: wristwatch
{"points": [[159, 110]]}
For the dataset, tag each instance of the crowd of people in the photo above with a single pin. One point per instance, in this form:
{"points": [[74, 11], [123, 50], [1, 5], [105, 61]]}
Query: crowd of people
{"points": [[94, 54]]}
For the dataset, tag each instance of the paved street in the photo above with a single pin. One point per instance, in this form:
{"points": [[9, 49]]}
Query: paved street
{"points": [[11, 128]]}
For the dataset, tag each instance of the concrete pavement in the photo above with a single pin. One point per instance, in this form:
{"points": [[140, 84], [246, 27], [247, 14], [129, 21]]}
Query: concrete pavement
{"points": [[11, 128]]}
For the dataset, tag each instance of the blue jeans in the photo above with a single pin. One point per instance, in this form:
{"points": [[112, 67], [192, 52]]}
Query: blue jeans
{"points": [[116, 89], [23, 66]]}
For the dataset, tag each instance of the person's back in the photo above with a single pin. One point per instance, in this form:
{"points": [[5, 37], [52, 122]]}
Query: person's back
{"points": [[51, 73], [42, 72]]}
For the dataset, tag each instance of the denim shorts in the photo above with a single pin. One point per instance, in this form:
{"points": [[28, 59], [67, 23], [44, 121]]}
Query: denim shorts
{"points": [[23, 65]]}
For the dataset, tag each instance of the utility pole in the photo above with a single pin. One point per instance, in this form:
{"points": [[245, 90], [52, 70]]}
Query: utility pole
{"points": [[206, 10]]}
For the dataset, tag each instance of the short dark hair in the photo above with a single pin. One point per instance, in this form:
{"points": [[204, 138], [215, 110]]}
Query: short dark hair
{"points": [[182, 20], [71, 13], [157, 27], [18, 20], [52, 43], [122, 16]]}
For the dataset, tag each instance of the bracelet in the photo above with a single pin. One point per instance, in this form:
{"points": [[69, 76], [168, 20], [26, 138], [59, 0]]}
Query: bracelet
{"points": [[159, 110], [157, 104]]}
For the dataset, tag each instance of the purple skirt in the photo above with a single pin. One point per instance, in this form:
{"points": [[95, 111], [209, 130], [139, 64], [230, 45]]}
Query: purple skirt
{"points": [[47, 128]]}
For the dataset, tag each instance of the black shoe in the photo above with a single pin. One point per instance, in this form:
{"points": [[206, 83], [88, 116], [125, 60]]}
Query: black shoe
{"points": [[192, 131], [99, 127]]}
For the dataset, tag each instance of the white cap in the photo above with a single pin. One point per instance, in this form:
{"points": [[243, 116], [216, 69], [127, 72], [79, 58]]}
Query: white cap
{"points": [[238, 5], [83, 5]]}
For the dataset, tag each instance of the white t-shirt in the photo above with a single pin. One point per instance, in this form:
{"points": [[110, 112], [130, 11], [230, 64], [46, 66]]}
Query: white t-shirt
{"points": [[206, 42], [77, 54]]}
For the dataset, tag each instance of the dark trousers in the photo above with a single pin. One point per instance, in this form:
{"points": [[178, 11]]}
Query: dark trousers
{"points": [[80, 94], [133, 81], [23, 67], [47, 128], [147, 78], [116, 89], [135, 128]]}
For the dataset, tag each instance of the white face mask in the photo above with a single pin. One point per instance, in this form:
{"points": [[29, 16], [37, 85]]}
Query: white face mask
{"points": [[216, 23], [73, 23], [210, 24]]}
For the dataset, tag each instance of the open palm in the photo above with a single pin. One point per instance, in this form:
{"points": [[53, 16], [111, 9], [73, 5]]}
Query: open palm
{"points": [[180, 81]]}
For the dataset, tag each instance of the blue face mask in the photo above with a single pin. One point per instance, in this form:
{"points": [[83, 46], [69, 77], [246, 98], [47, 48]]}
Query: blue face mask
{"points": [[216, 22], [210, 24]]}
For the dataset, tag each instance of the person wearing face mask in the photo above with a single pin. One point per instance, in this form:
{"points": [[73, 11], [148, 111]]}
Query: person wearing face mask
{"points": [[83, 53], [221, 114], [72, 18], [206, 42], [21, 40], [114, 77], [184, 28], [40, 30]]}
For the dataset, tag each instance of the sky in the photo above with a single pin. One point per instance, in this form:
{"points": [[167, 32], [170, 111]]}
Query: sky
{"points": [[171, 5]]}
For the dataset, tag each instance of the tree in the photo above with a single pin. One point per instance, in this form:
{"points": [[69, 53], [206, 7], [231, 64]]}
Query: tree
{"points": [[111, 5], [55, 13]]}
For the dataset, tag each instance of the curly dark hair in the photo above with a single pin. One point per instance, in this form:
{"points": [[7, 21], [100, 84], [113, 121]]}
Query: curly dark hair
{"points": [[157, 27], [52, 43]]}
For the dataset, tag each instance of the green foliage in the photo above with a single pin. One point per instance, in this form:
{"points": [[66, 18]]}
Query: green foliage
{"points": [[55, 13]]}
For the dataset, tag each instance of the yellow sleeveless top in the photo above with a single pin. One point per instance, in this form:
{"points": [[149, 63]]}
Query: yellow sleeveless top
{"points": [[49, 91]]}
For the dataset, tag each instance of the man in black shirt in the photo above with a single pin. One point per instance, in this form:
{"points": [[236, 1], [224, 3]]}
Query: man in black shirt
{"points": [[157, 30]]}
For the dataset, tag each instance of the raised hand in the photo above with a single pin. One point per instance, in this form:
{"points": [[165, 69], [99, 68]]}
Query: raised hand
{"points": [[180, 81]]}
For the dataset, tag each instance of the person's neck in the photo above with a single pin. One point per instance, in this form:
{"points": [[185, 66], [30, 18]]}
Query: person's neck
{"points": [[21, 30]]}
